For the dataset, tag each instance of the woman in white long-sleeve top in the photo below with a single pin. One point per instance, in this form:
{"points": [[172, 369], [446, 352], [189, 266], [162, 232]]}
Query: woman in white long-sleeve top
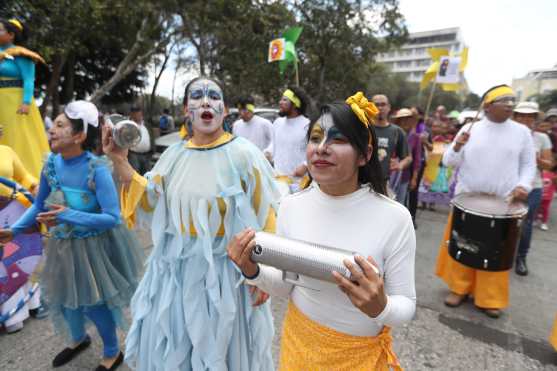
{"points": [[345, 207]]}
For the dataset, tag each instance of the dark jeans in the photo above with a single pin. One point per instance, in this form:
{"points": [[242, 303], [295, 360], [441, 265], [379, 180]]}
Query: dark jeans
{"points": [[141, 162], [534, 201], [413, 195]]}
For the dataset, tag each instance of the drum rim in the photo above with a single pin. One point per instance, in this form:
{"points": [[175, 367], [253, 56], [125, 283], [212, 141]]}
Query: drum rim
{"points": [[517, 215]]}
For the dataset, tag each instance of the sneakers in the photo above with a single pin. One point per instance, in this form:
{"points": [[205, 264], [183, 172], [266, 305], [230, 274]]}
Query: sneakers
{"points": [[40, 312], [544, 227], [14, 328]]}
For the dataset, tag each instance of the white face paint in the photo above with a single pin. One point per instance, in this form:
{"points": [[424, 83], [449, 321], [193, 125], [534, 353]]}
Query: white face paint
{"points": [[205, 106]]}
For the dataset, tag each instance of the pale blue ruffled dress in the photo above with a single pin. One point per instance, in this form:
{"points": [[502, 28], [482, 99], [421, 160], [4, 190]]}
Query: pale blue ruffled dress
{"points": [[191, 310]]}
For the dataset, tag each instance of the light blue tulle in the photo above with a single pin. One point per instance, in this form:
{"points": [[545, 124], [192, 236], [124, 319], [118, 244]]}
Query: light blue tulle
{"points": [[191, 310]]}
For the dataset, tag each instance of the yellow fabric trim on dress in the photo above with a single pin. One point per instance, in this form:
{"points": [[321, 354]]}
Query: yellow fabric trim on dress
{"points": [[20, 51], [224, 138], [131, 196], [292, 97], [308, 345], [364, 109], [498, 93]]}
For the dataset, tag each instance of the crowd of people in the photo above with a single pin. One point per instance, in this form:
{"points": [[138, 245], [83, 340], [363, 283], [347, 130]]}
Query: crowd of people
{"points": [[327, 176]]}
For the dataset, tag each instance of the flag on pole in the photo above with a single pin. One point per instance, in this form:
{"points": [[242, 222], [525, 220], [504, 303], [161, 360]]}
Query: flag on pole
{"points": [[446, 69], [276, 50], [284, 49]]}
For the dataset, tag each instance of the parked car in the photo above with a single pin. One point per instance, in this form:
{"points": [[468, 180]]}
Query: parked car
{"points": [[163, 142]]}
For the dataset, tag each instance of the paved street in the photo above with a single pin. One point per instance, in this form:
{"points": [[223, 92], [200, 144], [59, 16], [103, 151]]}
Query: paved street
{"points": [[438, 339]]}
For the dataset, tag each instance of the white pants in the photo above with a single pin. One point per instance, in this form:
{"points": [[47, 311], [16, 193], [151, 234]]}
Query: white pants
{"points": [[22, 314]]}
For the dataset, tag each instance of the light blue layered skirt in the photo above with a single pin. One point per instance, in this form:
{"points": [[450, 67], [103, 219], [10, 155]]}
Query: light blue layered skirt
{"points": [[101, 269]]}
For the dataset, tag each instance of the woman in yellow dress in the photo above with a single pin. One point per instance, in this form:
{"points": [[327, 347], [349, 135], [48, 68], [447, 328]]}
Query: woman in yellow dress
{"points": [[23, 126], [12, 169]]}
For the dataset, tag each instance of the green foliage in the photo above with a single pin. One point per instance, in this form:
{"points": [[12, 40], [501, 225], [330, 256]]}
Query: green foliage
{"points": [[546, 100]]}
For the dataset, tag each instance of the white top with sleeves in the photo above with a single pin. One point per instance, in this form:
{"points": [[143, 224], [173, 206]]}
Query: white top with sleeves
{"points": [[288, 147], [497, 158], [364, 222], [258, 130]]}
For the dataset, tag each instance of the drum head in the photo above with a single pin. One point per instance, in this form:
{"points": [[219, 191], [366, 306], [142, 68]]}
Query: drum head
{"points": [[488, 205]]}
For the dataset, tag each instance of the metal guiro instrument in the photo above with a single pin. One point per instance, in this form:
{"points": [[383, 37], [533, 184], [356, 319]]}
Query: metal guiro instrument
{"points": [[296, 258], [125, 132]]}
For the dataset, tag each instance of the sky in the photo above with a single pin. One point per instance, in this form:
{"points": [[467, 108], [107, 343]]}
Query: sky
{"points": [[507, 38]]}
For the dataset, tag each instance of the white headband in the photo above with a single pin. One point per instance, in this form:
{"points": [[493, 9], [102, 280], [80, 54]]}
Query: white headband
{"points": [[85, 111]]}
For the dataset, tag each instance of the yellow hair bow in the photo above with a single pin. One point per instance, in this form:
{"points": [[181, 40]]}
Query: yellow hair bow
{"points": [[16, 23], [364, 109]]}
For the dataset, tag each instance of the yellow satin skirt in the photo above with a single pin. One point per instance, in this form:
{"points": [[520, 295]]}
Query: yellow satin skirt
{"points": [[490, 289], [25, 134], [553, 337], [306, 345]]}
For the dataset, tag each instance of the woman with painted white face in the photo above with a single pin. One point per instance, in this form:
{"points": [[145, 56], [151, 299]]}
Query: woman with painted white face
{"points": [[191, 311], [345, 327]]}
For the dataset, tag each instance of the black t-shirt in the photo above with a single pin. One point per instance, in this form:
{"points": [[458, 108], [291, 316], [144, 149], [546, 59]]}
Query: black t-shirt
{"points": [[391, 143]]}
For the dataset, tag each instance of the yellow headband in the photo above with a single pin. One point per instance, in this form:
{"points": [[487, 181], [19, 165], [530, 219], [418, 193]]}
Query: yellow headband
{"points": [[363, 109], [292, 97], [17, 24], [498, 93]]}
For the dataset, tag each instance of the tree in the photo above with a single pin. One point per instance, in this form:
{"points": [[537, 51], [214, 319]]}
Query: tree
{"points": [[546, 100], [341, 39]]}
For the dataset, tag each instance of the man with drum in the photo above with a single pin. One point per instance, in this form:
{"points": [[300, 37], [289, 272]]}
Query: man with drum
{"points": [[495, 156]]}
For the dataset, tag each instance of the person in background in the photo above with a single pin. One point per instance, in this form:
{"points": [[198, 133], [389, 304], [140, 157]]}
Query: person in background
{"points": [[391, 140], [549, 187], [435, 186], [551, 118], [407, 120], [139, 156], [496, 155], [287, 148], [166, 122], [527, 113], [423, 133], [23, 126], [254, 128], [441, 114]]}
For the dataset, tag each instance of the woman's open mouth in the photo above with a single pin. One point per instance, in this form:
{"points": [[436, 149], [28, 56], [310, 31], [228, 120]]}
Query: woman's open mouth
{"points": [[207, 116]]}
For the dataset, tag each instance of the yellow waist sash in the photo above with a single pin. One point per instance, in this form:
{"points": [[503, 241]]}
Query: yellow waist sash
{"points": [[306, 345]]}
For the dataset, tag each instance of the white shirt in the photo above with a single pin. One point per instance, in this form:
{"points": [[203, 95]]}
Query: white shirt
{"points": [[541, 143], [363, 222], [288, 146], [497, 158], [258, 130], [144, 145]]}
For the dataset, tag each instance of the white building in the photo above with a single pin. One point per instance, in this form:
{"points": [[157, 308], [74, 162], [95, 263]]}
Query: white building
{"points": [[535, 82], [412, 59]]}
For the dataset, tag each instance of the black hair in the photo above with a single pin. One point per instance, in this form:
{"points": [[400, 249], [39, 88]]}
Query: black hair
{"points": [[185, 100], [91, 142], [19, 35], [135, 108], [166, 111], [304, 100], [358, 135], [244, 101]]}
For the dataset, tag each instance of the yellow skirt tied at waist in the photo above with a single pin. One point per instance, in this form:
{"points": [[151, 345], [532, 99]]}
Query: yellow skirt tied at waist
{"points": [[307, 345]]}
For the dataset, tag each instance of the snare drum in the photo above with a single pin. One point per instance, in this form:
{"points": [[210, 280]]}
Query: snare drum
{"points": [[485, 231]]}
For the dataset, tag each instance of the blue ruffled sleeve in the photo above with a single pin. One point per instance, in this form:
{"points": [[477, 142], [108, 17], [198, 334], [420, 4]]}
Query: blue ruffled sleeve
{"points": [[27, 69], [28, 218], [107, 197]]}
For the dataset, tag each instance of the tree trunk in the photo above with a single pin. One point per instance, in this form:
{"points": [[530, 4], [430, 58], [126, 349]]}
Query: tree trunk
{"points": [[69, 79], [131, 61], [58, 62]]}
